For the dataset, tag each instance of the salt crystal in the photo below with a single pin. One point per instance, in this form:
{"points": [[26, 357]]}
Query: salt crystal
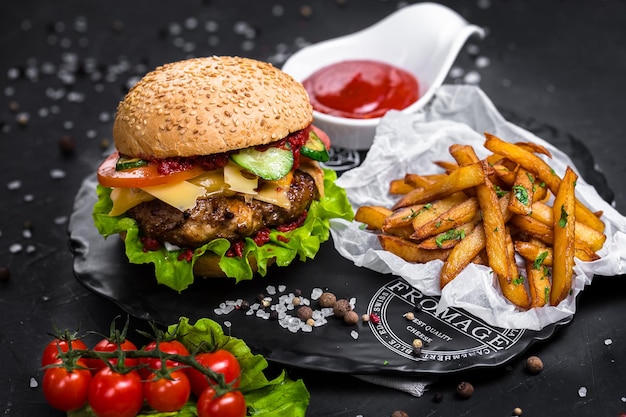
{"points": [[482, 62], [472, 77], [270, 289], [316, 293], [15, 248], [14, 185], [33, 383], [624, 399], [191, 23], [354, 334], [278, 10], [306, 328], [282, 288], [60, 220], [227, 324], [582, 392], [608, 342], [328, 311], [30, 249], [456, 72], [28, 198], [211, 26]]}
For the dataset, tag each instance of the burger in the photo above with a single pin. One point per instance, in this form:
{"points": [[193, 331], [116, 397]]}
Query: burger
{"points": [[216, 172]]}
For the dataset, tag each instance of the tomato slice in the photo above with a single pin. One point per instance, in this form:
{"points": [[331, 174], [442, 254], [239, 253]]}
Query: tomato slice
{"points": [[139, 177]]}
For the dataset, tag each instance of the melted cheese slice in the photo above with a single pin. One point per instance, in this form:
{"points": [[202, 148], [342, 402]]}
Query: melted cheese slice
{"points": [[126, 198], [313, 168], [237, 181], [275, 192], [181, 195]]}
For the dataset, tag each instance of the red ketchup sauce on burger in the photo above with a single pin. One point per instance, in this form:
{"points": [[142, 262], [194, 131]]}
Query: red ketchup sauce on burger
{"points": [[361, 89]]}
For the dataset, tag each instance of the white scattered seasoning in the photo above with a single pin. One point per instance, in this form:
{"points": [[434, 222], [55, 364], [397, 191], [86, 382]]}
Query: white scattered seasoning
{"points": [[57, 173], [14, 185], [482, 62], [608, 342], [582, 392], [33, 383], [28, 198], [15, 248], [354, 334]]}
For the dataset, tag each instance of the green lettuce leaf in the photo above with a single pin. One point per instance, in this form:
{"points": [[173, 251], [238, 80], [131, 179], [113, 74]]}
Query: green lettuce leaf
{"points": [[277, 397], [302, 243]]}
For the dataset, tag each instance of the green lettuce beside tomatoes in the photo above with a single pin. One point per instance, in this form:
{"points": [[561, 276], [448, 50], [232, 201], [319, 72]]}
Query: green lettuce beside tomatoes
{"points": [[303, 242], [277, 397]]}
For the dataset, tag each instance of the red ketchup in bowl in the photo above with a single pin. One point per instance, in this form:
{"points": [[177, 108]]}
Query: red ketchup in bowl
{"points": [[361, 89]]}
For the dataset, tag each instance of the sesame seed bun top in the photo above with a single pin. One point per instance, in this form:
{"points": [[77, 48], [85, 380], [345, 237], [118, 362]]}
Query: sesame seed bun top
{"points": [[204, 106]]}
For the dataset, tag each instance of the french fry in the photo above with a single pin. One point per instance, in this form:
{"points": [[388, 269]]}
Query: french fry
{"points": [[536, 165], [400, 220], [498, 242], [539, 285], [409, 251], [501, 258], [523, 190], [448, 166], [462, 213], [416, 180], [436, 209], [533, 227], [462, 254], [399, 186], [564, 210], [585, 235], [447, 239], [458, 180], [532, 251], [372, 216], [534, 148]]}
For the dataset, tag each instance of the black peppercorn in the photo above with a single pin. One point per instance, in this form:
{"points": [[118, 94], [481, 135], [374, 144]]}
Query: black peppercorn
{"points": [[399, 413], [465, 390], [437, 397], [534, 365], [341, 307], [304, 313]]}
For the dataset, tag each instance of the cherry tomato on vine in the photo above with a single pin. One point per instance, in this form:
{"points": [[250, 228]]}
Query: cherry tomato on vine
{"points": [[113, 394], [106, 345], [167, 394], [167, 346], [51, 351], [66, 389], [220, 361], [231, 404]]}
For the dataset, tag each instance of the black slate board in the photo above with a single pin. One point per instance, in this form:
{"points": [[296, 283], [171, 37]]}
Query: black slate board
{"points": [[454, 341]]}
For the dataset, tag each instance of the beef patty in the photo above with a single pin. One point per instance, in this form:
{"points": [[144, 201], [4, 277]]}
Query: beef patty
{"points": [[231, 217]]}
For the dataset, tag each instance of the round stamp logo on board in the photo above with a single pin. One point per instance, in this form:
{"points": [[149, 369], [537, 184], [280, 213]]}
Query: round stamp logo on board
{"points": [[452, 339]]}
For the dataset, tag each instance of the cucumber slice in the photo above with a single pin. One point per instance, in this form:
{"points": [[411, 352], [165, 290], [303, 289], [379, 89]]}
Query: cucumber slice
{"points": [[126, 162], [314, 148], [270, 164]]}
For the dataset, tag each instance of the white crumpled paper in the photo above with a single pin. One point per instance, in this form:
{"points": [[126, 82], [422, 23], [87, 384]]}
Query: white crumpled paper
{"points": [[410, 143]]}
